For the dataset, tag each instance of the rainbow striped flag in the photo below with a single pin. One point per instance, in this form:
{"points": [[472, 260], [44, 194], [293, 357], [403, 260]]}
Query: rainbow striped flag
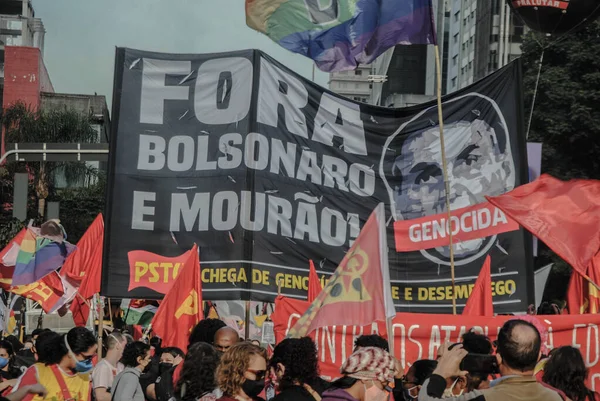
{"points": [[37, 257], [340, 34]]}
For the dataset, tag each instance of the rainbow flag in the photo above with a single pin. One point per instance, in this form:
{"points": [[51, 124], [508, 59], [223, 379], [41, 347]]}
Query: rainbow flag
{"points": [[340, 34], [37, 257]]}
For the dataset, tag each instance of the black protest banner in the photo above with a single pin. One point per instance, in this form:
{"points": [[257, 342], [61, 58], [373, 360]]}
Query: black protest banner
{"points": [[265, 170]]}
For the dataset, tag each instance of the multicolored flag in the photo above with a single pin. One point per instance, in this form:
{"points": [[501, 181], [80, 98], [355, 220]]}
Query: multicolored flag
{"points": [[181, 309], [359, 291], [341, 34], [314, 285], [10, 252], [139, 311], [480, 300], [38, 256], [564, 215]]}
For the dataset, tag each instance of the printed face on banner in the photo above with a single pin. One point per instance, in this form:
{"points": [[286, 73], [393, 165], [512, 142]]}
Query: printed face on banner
{"points": [[479, 163]]}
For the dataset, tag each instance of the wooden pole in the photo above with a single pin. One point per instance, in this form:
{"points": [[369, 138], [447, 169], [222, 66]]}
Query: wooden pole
{"points": [[247, 325], [445, 171], [100, 324]]}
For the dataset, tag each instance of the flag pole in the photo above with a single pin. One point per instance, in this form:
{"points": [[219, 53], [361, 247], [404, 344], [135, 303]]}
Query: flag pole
{"points": [[585, 276], [445, 171], [100, 324]]}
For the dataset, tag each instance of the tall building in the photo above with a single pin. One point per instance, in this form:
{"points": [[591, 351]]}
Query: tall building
{"points": [[484, 35], [353, 84]]}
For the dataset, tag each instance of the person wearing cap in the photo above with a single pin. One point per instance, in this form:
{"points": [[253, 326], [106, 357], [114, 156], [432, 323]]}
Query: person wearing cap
{"points": [[366, 375]]}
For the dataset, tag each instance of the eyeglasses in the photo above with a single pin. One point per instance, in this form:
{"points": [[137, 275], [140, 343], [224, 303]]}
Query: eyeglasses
{"points": [[260, 374]]}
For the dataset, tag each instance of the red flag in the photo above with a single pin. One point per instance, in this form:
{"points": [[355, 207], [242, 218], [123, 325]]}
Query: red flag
{"points": [[84, 265], [47, 292], [81, 312], [565, 215], [583, 296], [314, 285], [480, 300], [181, 308], [359, 291]]}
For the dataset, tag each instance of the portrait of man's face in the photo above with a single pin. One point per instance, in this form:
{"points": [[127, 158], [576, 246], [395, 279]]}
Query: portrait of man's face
{"points": [[479, 163]]}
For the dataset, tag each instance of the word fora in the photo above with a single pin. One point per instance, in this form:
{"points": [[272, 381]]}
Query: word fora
{"points": [[214, 106]]}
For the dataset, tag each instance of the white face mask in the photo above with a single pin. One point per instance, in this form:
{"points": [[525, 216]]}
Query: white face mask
{"points": [[448, 392]]}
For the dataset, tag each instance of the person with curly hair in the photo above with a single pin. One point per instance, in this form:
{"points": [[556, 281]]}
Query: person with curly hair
{"points": [[566, 371], [241, 373], [295, 367], [366, 375], [127, 387], [63, 367], [197, 381]]}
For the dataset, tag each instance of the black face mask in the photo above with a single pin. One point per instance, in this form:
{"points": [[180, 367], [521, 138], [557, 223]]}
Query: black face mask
{"points": [[164, 366], [253, 388]]}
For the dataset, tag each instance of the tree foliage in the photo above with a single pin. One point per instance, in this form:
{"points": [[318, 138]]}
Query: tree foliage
{"points": [[566, 115]]}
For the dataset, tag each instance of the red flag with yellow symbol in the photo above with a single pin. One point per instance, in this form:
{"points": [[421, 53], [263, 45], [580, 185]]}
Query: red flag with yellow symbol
{"points": [[45, 291], [359, 291], [181, 308], [583, 296]]}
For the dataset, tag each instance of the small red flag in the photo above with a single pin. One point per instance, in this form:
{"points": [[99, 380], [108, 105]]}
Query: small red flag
{"points": [[84, 265], [46, 292], [81, 312], [564, 215], [314, 285], [181, 308], [480, 300], [583, 296], [359, 291]]}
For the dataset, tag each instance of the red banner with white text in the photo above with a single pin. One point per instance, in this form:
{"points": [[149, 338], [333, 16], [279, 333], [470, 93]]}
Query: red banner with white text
{"points": [[418, 336], [468, 223]]}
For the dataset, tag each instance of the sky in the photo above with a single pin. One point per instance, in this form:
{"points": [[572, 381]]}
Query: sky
{"points": [[81, 36]]}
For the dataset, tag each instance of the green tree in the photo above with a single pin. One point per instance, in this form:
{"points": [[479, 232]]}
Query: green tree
{"points": [[24, 125], [566, 115]]}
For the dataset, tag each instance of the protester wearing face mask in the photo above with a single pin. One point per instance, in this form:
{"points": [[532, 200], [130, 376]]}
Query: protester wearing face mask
{"points": [[367, 373], [241, 373], [163, 389], [109, 367], [410, 384], [126, 387], [63, 367]]}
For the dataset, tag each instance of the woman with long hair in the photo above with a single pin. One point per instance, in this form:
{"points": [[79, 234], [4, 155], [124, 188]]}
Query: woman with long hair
{"points": [[366, 375], [63, 366], [197, 380], [241, 373], [8, 371], [295, 366], [127, 387], [565, 370]]}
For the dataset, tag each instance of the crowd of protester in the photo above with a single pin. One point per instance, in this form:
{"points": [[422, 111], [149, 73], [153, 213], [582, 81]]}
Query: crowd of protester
{"points": [[219, 366]]}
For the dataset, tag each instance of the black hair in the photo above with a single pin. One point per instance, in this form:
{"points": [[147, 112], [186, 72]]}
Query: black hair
{"points": [[133, 351], [344, 382], [476, 343], [423, 370], [372, 340], [80, 339], [299, 356], [198, 373], [519, 355], [37, 332], [28, 338], [8, 347], [205, 331], [156, 342], [174, 351], [50, 347], [547, 308], [14, 341], [566, 371]]}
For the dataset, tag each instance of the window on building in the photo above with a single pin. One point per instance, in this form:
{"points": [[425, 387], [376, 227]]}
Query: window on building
{"points": [[457, 16], [518, 31], [455, 60], [462, 71], [471, 40], [357, 72], [456, 38], [470, 65], [463, 47], [454, 82], [464, 22]]}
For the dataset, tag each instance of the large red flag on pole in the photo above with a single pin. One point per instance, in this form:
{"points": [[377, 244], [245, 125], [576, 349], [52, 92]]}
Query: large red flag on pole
{"points": [[359, 291], [314, 285], [480, 300], [564, 215], [582, 295], [181, 308]]}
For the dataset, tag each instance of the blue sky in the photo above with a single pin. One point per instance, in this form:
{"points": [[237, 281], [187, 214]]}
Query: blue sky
{"points": [[82, 35]]}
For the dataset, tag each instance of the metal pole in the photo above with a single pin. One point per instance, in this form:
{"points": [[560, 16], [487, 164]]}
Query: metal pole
{"points": [[53, 151]]}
